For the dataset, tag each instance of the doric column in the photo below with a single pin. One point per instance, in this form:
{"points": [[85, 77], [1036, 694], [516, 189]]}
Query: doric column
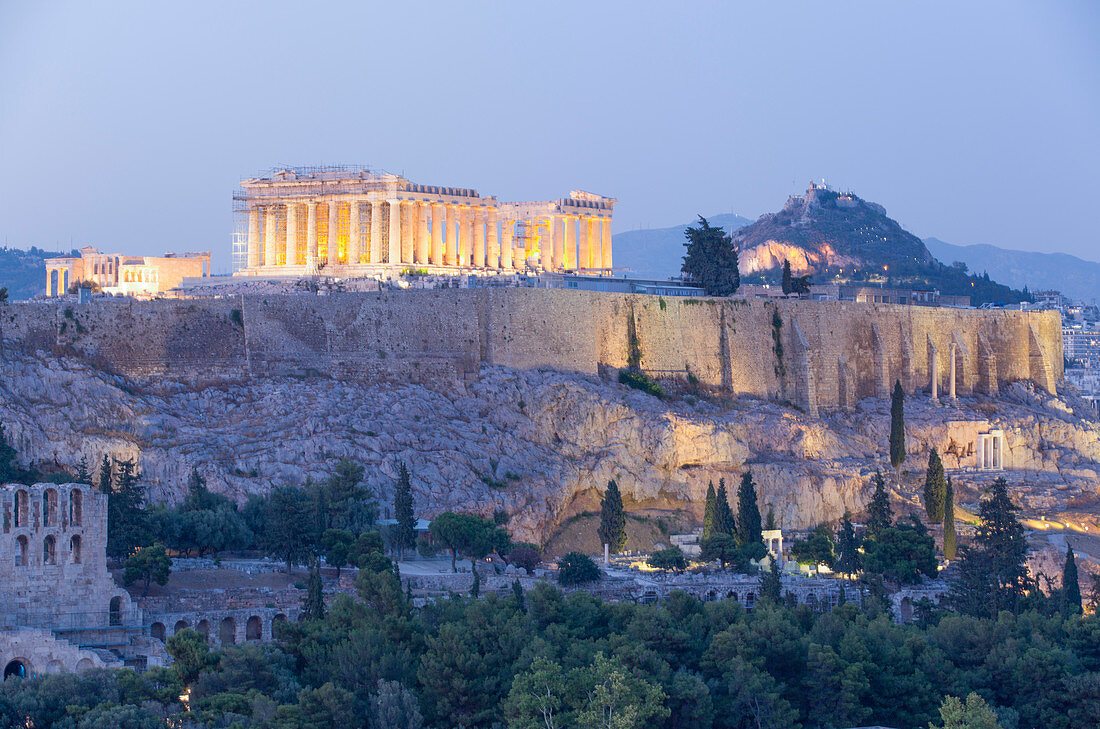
{"points": [[291, 234], [583, 256], [568, 242], [491, 245], [454, 218], [311, 237], [253, 237], [466, 240], [269, 235], [375, 231], [353, 232], [333, 233], [935, 375], [556, 258], [478, 221], [423, 237], [952, 370], [506, 243], [408, 230], [606, 233], [439, 219], [395, 232], [595, 244]]}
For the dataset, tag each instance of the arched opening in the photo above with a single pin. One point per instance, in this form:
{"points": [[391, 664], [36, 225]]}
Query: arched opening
{"points": [[76, 507], [906, 609], [157, 630], [227, 631], [114, 611], [74, 549], [84, 664], [253, 629], [16, 668], [750, 600], [277, 624], [204, 628], [732, 596], [180, 625], [49, 507], [21, 500], [49, 550], [21, 551]]}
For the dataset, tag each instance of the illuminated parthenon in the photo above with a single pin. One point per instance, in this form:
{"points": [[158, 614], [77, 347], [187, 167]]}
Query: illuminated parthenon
{"points": [[344, 221]]}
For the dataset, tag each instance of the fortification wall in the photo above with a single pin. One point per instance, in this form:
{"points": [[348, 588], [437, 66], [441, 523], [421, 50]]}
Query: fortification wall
{"points": [[815, 354]]}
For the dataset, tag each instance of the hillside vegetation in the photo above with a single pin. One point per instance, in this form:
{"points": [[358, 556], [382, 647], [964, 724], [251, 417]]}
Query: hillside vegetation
{"points": [[24, 271]]}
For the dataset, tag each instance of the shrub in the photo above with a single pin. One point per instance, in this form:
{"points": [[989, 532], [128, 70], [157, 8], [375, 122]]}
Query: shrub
{"points": [[525, 555], [425, 547], [640, 381], [668, 559], [576, 569]]}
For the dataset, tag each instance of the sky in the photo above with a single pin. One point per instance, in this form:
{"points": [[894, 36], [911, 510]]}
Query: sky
{"points": [[128, 126]]}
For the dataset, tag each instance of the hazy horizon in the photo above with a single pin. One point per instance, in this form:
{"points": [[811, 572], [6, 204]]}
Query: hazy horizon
{"points": [[129, 126]]}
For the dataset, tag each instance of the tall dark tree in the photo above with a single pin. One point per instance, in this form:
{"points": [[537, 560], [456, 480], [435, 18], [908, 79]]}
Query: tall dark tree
{"points": [[935, 488], [711, 260], [787, 277], [127, 527], [285, 511], [105, 477], [82, 475], [314, 602], [949, 539], [771, 588], [710, 512], [404, 536], [724, 523], [748, 512], [897, 428], [612, 529], [770, 521], [848, 559], [9, 471], [880, 515], [1071, 588], [347, 502]]}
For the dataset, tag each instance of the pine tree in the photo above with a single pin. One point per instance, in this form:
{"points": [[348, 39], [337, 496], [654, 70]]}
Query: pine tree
{"points": [[475, 588], [847, 549], [949, 520], [711, 259], [748, 513], [710, 512], [1071, 588], [517, 593], [771, 588], [105, 475], [9, 471], [880, 515], [724, 523], [126, 518], [612, 529], [404, 536], [769, 521], [314, 607], [897, 428], [787, 288], [82, 474], [935, 488]]}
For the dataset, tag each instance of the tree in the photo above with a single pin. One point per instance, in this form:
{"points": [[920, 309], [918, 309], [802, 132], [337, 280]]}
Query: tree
{"points": [[769, 522], [771, 588], [313, 605], [724, 522], [525, 556], [404, 535], [787, 287], [337, 545], [748, 513], [817, 548], [880, 515], [9, 471], [949, 520], [618, 699], [470, 535], [347, 503], [848, 559], [993, 573], [902, 553], [537, 698], [973, 713], [127, 527], [105, 479], [475, 588], [285, 511], [576, 568], [517, 594], [612, 530], [711, 260], [897, 428], [668, 559], [1071, 588], [935, 488], [710, 512], [722, 547], [394, 706], [148, 564], [3, 294], [82, 475], [190, 651], [794, 284]]}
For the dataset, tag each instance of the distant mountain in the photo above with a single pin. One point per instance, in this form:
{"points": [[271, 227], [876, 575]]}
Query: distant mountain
{"points": [[1075, 277], [24, 272], [659, 252]]}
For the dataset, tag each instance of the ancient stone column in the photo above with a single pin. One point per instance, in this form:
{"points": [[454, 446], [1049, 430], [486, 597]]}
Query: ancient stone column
{"points": [[395, 232], [333, 234], [479, 237], [953, 370], [253, 237], [311, 237], [292, 234], [439, 220], [408, 230], [583, 256], [466, 240], [568, 242], [492, 246], [595, 243], [506, 244], [606, 232], [375, 231], [454, 217], [353, 232], [556, 244], [269, 235]]}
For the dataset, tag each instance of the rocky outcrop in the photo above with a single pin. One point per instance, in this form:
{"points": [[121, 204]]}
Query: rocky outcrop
{"points": [[539, 444]]}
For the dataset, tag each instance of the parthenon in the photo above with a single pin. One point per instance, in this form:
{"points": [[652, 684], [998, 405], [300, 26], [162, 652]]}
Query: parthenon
{"points": [[356, 222]]}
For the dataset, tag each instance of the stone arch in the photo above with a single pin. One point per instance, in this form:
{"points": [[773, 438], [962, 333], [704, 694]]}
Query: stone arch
{"points": [[18, 668], [180, 625], [227, 631], [21, 551], [49, 549], [21, 501], [158, 631], [84, 664], [74, 549], [76, 507], [254, 628], [114, 611], [732, 596], [49, 507], [905, 609], [203, 627]]}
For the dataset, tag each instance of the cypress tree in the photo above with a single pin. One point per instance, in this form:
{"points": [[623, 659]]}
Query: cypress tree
{"points": [[314, 607], [82, 474], [787, 287], [935, 488], [612, 529], [475, 588], [1071, 588], [724, 523], [949, 520], [105, 475], [710, 512], [405, 531], [517, 593], [769, 521], [897, 428], [748, 513], [9, 471], [711, 259], [847, 549], [771, 587], [881, 516]]}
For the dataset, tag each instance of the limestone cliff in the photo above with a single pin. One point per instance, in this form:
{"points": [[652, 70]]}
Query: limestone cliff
{"points": [[537, 443]]}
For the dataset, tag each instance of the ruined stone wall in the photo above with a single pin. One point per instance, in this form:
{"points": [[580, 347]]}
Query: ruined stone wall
{"points": [[813, 354]]}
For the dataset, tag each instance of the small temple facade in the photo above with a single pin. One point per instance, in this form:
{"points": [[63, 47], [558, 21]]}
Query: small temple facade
{"points": [[344, 221], [115, 273]]}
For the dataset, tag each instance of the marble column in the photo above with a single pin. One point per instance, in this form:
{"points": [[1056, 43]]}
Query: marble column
{"points": [[439, 219], [595, 243], [478, 217], [395, 232], [253, 237], [375, 231], [311, 237], [605, 231], [423, 237], [333, 233], [582, 244], [353, 232], [556, 243], [935, 375], [269, 235], [952, 370], [506, 243], [492, 246], [408, 230], [568, 242], [454, 218], [465, 241], [292, 234]]}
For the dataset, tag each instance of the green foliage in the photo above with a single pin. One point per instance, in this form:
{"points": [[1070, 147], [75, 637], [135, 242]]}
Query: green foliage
{"points": [[973, 713], [724, 521], [577, 569], [633, 344], [641, 381], [777, 344], [127, 524], [473, 536], [668, 559], [816, 549], [313, 605], [771, 587], [935, 488], [289, 529], [710, 512], [848, 559], [4, 296], [880, 515], [748, 512], [711, 260], [404, 536], [722, 547], [148, 564], [902, 553], [394, 706], [190, 653], [9, 470], [949, 537], [1071, 588], [612, 529], [897, 426]]}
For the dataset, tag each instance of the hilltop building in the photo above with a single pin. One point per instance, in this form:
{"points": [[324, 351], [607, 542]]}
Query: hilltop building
{"points": [[346, 221], [115, 273]]}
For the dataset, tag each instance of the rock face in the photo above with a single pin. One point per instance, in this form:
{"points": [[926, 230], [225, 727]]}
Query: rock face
{"points": [[539, 444]]}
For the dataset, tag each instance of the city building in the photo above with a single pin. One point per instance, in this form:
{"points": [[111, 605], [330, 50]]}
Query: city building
{"points": [[115, 273], [352, 222], [862, 294]]}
